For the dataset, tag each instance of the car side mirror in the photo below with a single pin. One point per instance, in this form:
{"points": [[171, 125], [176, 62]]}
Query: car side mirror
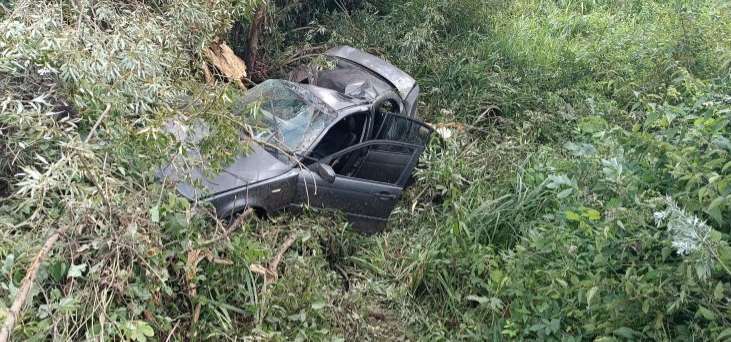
{"points": [[326, 172]]}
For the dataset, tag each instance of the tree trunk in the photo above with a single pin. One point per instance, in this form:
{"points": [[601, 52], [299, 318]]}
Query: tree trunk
{"points": [[252, 39]]}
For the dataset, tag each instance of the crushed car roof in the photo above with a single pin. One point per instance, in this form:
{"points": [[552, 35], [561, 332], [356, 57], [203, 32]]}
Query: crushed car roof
{"points": [[399, 79]]}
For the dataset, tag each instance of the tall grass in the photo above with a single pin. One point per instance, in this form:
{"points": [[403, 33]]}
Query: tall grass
{"points": [[538, 225]]}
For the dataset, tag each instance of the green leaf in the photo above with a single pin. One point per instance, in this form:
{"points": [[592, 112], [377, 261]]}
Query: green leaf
{"points": [[589, 295], [593, 124], [718, 291], [556, 181], [318, 305], [138, 331], [724, 335], [572, 216], [155, 214], [707, 314], [57, 270], [146, 329], [76, 271], [627, 333], [581, 149], [8, 263], [565, 193], [592, 214], [726, 167], [553, 326], [714, 209]]}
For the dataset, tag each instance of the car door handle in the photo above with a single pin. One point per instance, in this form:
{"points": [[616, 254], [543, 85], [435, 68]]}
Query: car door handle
{"points": [[385, 195]]}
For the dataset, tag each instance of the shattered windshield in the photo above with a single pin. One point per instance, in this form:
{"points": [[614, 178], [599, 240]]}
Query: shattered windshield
{"points": [[285, 114]]}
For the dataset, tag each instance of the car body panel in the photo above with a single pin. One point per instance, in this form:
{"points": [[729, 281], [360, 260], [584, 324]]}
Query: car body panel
{"points": [[370, 203], [379, 155], [368, 195], [254, 167], [399, 79], [362, 75], [270, 196], [337, 101]]}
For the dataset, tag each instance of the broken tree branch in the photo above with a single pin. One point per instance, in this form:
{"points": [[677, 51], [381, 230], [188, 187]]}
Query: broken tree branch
{"points": [[27, 283], [270, 273], [280, 253], [226, 62]]}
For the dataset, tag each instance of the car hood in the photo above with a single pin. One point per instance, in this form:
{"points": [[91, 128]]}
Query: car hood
{"points": [[196, 183]]}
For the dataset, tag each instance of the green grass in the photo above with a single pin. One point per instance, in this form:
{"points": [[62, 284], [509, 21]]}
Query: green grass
{"points": [[573, 212], [509, 229]]}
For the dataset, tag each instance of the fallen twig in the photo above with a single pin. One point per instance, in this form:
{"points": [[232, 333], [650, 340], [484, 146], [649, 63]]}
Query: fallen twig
{"points": [[270, 273], [98, 121], [196, 255], [26, 285], [231, 227]]}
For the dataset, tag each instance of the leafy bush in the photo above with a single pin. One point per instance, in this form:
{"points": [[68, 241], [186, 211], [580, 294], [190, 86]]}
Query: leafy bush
{"points": [[588, 197], [85, 87]]}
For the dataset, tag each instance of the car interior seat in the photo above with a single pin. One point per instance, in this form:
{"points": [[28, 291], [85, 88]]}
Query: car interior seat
{"points": [[346, 133]]}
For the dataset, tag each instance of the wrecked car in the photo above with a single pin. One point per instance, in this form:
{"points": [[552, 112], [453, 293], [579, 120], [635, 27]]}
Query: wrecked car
{"points": [[344, 138]]}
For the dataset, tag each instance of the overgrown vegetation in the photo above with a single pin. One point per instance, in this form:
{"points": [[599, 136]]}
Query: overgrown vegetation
{"points": [[595, 203]]}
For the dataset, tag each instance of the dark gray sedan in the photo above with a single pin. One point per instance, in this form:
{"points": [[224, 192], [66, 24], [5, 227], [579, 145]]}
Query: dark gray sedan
{"points": [[344, 139]]}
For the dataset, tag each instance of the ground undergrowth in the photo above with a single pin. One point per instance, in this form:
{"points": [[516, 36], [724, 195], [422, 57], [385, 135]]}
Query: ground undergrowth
{"points": [[586, 193]]}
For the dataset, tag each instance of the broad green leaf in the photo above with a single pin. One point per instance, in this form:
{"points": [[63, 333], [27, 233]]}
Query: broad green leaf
{"points": [[592, 214], [565, 193], [138, 331], [725, 335], [553, 326], [626, 332], [68, 304], [581, 149], [589, 295], [76, 271], [556, 181], [572, 216], [707, 314], [57, 270], [726, 167], [714, 209], [593, 124]]}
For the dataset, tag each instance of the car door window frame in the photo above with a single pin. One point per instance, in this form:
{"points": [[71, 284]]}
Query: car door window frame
{"points": [[363, 136], [372, 133], [403, 177]]}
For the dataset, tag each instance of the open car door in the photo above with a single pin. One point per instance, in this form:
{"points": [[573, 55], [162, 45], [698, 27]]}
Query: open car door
{"points": [[369, 179], [395, 127]]}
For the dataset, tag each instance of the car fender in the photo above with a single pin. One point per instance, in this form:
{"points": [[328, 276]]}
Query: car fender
{"points": [[268, 196]]}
